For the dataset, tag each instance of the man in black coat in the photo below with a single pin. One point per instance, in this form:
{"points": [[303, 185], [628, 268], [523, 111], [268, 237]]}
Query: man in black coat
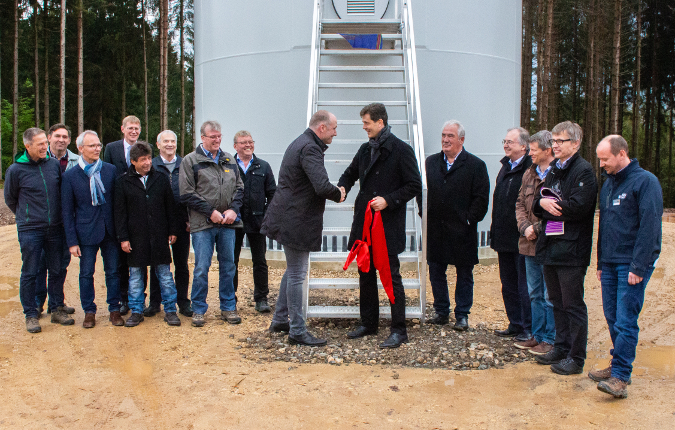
{"points": [[504, 235], [565, 247], [259, 187], [295, 220], [145, 227], [387, 172], [457, 200]]}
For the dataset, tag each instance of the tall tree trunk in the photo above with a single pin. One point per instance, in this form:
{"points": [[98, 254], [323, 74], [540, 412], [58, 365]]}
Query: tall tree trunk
{"points": [[540, 61], [165, 86], [182, 80], [659, 121], [616, 63], [670, 154], [145, 76], [15, 89], [80, 72], [646, 148], [45, 41], [546, 75], [62, 96], [526, 64], [37, 65], [591, 91], [124, 93], [636, 84]]}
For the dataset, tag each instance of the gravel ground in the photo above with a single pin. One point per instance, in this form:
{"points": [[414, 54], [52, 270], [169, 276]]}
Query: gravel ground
{"points": [[6, 216]]}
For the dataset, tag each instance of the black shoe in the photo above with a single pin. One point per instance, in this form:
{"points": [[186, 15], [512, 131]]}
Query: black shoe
{"points": [[151, 310], [439, 320], [509, 332], [462, 324], [554, 356], [279, 327], [124, 308], [186, 310], [567, 366], [523, 337], [394, 340], [171, 318], [262, 306], [361, 331], [306, 339], [134, 320]]}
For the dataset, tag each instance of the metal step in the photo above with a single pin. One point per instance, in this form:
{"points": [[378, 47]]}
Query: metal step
{"points": [[357, 103], [333, 36], [359, 122], [353, 283], [342, 256], [354, 312], [345, 231], [362, 85], [350, 207], [361, 69], [380, 26], [365, 52]]}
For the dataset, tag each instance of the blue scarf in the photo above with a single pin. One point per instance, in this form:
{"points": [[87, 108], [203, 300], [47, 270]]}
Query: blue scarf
{"points": [[93, 171]]}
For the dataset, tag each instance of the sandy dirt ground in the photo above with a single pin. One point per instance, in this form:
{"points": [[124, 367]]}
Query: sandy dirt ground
{"points": [[157, 377]]}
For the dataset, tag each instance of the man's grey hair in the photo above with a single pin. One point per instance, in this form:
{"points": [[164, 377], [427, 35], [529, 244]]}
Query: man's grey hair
{"points": [[319, 117], [543, 139], [209, 125], [460, 127], [80, 139], [159, 136], [30, 134], [573, 130], [241, 133], [523, 136]]}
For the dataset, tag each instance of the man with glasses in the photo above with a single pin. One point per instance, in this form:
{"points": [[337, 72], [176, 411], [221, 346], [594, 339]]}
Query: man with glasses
{"points": [[212, 189], [504, 234], [259, 187], [566, 204]]}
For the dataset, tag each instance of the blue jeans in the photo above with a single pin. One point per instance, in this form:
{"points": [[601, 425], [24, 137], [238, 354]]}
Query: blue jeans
{"points": [[110, 254], [137, 288], [463, 289], [33, 244], [202, 243], [289, 301], [543, 323], [622, 304], [41, 280]]}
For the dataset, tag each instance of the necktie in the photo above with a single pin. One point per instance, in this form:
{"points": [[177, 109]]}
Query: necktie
{"points": [[126, 156]]}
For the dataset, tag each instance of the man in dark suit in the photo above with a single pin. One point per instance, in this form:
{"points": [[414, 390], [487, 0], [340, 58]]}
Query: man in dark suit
{"points": [[458, 198], [387, 172], [117, 154], [87, 204]]}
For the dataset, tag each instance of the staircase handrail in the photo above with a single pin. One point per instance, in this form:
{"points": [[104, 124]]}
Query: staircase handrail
{"points": [[314, 60]]}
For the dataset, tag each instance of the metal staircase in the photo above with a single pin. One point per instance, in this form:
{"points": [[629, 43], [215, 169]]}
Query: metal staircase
{"points": [[343, 80]]}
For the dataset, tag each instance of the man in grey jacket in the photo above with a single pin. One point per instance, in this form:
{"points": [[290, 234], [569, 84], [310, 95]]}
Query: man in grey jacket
{"points": [[295, 219], [212, 189]]}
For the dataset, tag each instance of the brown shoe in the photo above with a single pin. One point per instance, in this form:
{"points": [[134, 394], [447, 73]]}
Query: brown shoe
{"points": [[527, 344], [603, 374], [116, 318], [89, 320], [541, 349], [615, 387]]}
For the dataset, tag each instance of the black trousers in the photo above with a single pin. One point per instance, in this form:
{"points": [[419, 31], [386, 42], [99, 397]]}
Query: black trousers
{"points": [[260, 272], [181, 251], [463, 289], [123, 270], [565, 286], [514, 290], [370, 303]]}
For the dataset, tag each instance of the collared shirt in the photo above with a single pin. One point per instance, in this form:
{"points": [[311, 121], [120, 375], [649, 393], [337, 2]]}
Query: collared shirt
{"points": [[562, 165], [127, 148], [144, 180], [543, 174], [208, 154], [241, 163], [170, 165], [515, 163], [448, 163], [63, 161]]}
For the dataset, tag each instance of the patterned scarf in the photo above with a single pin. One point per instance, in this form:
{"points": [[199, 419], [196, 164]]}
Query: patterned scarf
{"points": [[93, 171]]}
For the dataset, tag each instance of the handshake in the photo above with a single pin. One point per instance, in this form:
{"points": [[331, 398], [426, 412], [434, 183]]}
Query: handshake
{"points": [[344, 194]]}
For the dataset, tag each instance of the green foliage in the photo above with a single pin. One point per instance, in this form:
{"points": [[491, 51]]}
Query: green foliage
{"points": [[26, 120]]}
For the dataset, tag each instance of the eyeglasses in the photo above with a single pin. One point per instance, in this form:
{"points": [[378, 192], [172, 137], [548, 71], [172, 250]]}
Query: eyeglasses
{"points": [[508, 142], [247, 142], [94, 146], [213, 136], [559, 142]]}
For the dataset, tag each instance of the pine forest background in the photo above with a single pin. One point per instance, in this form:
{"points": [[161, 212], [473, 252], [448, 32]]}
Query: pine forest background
{"points": [[607, 64]]}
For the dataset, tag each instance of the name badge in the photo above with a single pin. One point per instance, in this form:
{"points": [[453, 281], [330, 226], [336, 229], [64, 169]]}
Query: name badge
{"points": [[616, 202], [228, 171]]}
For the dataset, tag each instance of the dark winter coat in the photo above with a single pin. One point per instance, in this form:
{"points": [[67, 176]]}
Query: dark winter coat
{"points": [[113, 153], [524, 216], [577, 185], [295, 216], [259, 188], [145, 217], [180, 210], [631, 207], [504, 234], [457, 201], [33, 192], [395, 177]]}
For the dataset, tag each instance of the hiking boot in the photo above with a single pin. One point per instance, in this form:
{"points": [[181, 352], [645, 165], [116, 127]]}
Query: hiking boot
{"points": [[59, 316], [567, 367], [89, 320], [151, 310], [439, 320], [33, 325], [541, 349], [116, 318], [124, 308], [262, 306], [528, 344], [603, 374], [552, 357], [614, 386], [134, 320], [186, 310], [67, 309], [230, 316], [198, 320], [171, 318]]}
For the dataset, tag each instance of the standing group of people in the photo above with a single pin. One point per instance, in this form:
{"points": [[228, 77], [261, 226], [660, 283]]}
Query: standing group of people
{"points": [[139, 211]]}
